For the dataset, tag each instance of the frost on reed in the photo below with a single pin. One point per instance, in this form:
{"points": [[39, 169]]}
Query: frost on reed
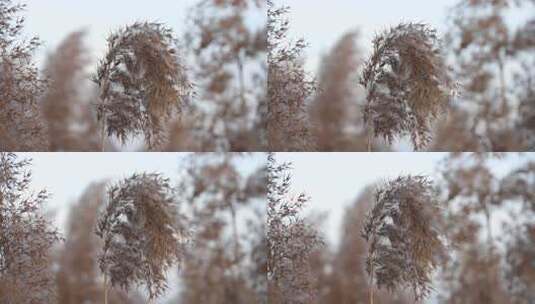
{"points": [[405, 236], [21, 126], [143, 233], [291, 241], [289, 87], [26, 237], [527, 105], [142, 82], [408, 84], [520, 270], [519, 186]]}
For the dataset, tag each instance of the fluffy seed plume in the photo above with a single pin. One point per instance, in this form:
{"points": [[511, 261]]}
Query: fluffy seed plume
{"points": [[143, 233], [404, 234], [142, 82], [408, 83]]}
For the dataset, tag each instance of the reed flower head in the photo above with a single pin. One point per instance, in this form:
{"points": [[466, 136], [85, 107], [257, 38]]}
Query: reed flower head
{"points": [[142, 82], [142, 231], [408, 83], [405, 235]]}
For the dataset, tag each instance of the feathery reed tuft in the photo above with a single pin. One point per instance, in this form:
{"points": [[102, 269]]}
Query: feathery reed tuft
{"points": [[143, 233], [520, 270], [405, 236], [21, 123], [291, 240], [142, 82], [408, 83], [289, 86], [27, 237]]}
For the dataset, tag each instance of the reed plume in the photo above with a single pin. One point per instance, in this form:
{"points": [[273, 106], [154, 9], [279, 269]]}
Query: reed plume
{"points": [[142, 82], [405, 236], [143, 233], [408, 83]]}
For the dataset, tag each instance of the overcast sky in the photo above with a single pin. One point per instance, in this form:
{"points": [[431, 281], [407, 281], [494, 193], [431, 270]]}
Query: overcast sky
{"points": [[67, 175], [53, 20], [334, 180], [322, 22]]}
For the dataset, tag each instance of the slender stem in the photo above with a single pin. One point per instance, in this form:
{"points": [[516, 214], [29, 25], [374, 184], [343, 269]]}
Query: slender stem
{"points": [[235, 234], [369, 142], [490, 245], [105, 288], [371, 285], [241, 81], [102, 136], [502, 83], [490, 239], [369, 133]]}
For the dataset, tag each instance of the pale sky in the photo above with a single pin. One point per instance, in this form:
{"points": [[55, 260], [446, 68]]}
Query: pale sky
{"points": [[334, 180], [53, 20], [322, 22], [67, 175]]}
